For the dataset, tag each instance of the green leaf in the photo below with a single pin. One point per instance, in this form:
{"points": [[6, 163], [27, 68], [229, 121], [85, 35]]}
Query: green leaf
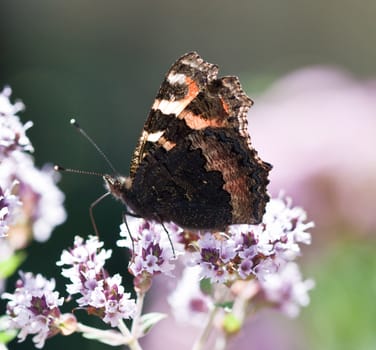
{"points": [[6, 335], [206, 286], [225, 305], [148, 321], [10, 266]]}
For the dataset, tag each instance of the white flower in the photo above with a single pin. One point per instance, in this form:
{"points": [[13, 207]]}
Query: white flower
{"points": [[150, 245], [213, 255], [117, 304], [34, 308], [286, 289], [189, 304], [12, 131], [85, 252], [86, 260], [42, 200], [6, 107], [251, 250], [103, 294]]}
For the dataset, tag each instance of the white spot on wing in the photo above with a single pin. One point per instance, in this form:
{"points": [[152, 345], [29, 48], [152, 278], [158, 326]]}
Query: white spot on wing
{"points": [[194, 63], [155, 136], [169, 107], [176, 78]]}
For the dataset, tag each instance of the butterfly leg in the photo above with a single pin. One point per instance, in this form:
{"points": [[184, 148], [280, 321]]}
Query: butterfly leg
{"points": [[92, 205], [129, 233], [169, 239]]}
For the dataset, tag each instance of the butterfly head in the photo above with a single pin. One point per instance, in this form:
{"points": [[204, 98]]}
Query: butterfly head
{"points": [[117, 185]]}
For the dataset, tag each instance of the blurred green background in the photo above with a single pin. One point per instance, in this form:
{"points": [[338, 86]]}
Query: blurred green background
{"points": [[102, 62]]}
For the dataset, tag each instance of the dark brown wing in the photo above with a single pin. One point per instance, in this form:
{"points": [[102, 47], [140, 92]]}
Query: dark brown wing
{"points": [[194, 163], [207, 181]]}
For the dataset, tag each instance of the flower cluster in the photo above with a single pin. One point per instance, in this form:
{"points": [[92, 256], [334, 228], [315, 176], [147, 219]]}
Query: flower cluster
{"points": [[34, 308], [246, 251], [262, 254], [42, 202], [152, 249], [101, 294], [12, 131], [247, 263]]}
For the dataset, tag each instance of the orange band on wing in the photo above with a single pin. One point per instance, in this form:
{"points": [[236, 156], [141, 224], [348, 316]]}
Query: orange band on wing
{"points": [[196, 122], [225, 106], [167, 145], [193, 89]]}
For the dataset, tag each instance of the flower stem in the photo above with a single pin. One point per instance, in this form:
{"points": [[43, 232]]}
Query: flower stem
{"points": [[109, 336], [124, 329], [247, 292], [137, 318], [133, 342], [200, 342], [95, 333]]}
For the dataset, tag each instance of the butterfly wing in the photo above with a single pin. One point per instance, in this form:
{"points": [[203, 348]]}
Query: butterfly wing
{"points": [[207, 181], [192, 98], [189, 75], [194, 163]]}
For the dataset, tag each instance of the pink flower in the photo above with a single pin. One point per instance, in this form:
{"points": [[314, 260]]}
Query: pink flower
{"points": [[188, 303], [36, 189], [250, 250], [101, 295], [42, 202], [12, 131], [317, 127], [152, 252], [86, 261], [115, 304], [286, 290], [34, 309]]}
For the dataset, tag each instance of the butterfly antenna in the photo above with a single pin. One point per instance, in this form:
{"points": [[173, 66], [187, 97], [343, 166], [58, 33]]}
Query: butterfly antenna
{"points": [[84, 134], [61, 169], [92, 205]]}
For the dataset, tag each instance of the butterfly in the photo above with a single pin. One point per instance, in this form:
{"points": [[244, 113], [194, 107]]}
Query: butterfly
{"points": [[194, 163]]}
